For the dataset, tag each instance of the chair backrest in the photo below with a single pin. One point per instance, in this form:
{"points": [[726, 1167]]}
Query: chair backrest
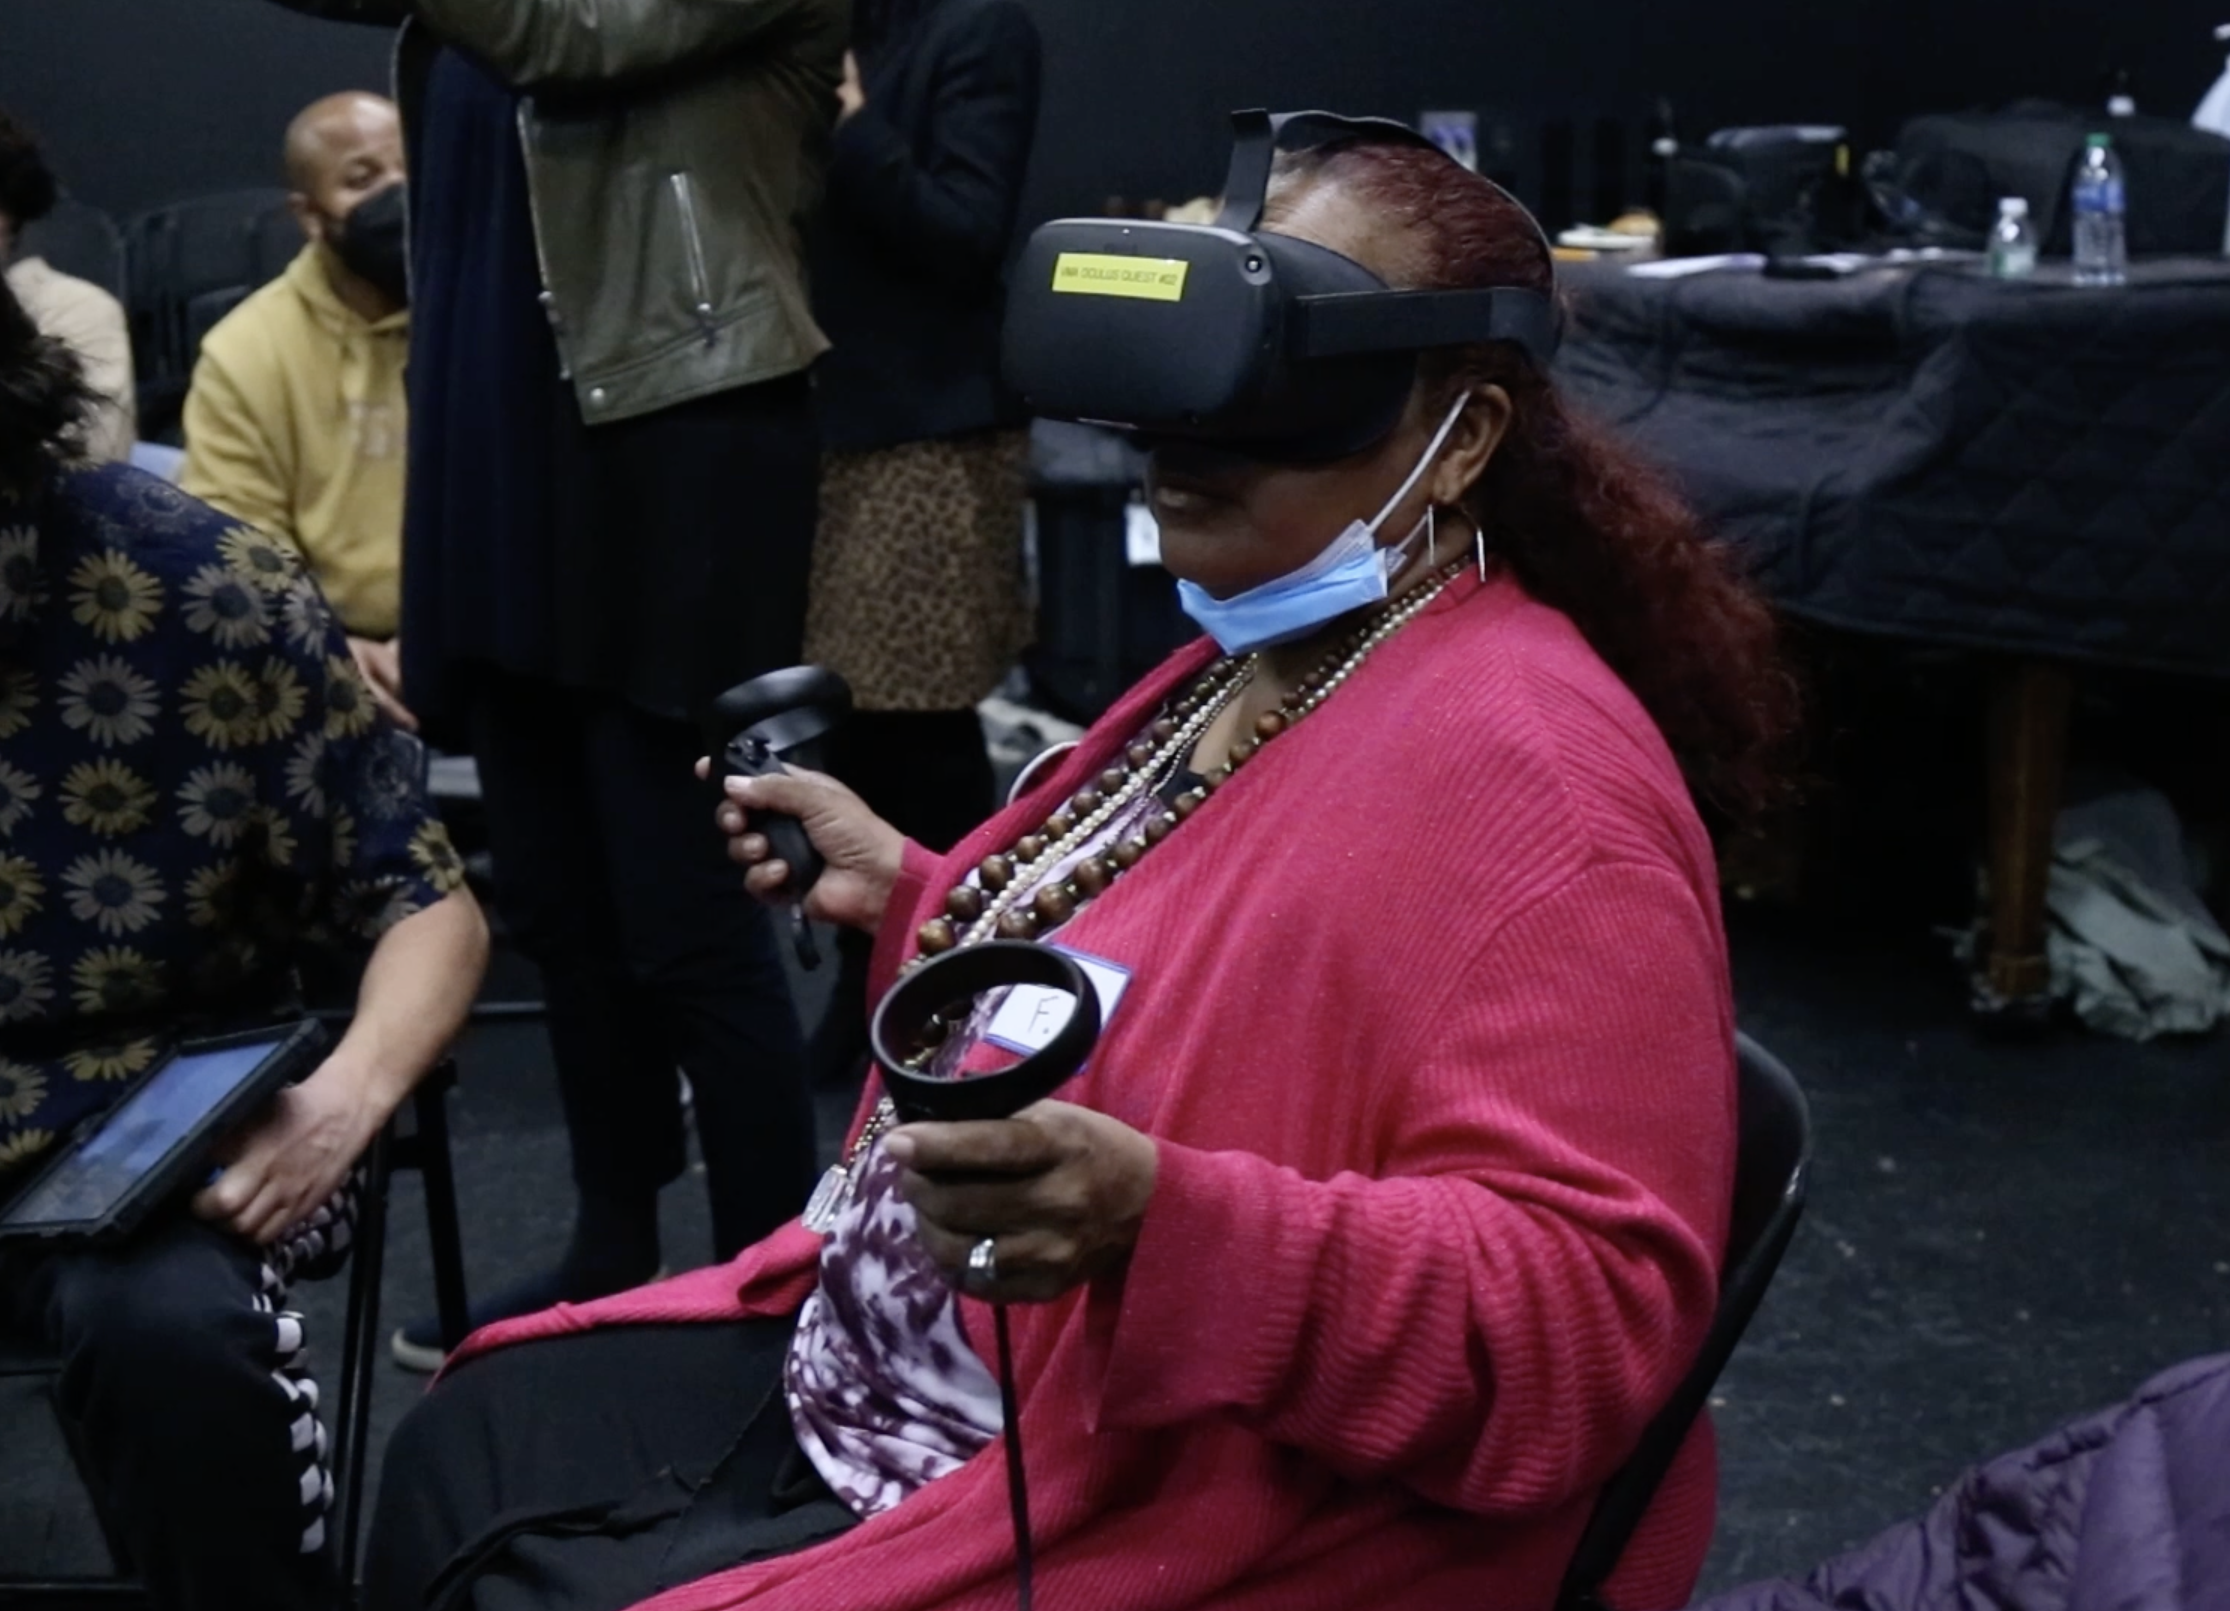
{"points": [[190, 260], [1773, 1165], [206, 311], [80, 240]]}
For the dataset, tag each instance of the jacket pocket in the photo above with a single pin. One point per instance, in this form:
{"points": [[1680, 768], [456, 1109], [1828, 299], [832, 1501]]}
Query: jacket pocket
{"points": [[693, 248]]}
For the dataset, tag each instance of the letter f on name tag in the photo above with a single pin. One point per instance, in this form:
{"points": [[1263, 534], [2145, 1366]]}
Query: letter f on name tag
{"points": [[1032, 1015]]}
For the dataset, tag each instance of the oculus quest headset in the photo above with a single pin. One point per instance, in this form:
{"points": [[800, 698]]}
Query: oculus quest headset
{"points": [[1239, 338]]}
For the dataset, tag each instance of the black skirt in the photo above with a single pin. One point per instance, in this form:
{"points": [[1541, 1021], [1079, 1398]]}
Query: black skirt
{"points": [[683, 543], [591, 1472], [660, 558]]}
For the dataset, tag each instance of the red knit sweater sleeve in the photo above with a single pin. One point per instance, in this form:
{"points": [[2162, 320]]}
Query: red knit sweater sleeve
{"points": [[1493, 1316], [917, 873]]}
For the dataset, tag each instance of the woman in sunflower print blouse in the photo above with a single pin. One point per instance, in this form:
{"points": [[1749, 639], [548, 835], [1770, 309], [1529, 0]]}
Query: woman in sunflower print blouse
{"points": [[194, 787]]}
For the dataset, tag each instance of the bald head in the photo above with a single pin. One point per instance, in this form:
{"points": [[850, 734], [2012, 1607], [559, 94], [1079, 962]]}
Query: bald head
{"points": [[343, 147]]}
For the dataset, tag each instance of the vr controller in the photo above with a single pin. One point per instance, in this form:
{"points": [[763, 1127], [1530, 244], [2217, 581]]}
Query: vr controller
{"points": [[948, 986], [753, 730], [924, 1005]]}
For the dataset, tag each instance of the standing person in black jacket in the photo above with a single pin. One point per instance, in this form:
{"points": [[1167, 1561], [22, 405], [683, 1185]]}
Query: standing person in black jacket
{"points": [[918, 595], [613, 467]]}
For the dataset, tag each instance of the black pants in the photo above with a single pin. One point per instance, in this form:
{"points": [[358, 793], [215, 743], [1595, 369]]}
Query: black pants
{"points": [[612, 876], [587, 1473], [928, 774], [925, 772], [184, 1393]]}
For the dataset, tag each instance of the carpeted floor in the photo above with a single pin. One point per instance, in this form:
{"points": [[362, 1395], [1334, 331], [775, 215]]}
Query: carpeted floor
{"points": [[2002, 1234]]}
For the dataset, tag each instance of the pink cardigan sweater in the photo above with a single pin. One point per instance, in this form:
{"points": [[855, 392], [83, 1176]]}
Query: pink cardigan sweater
{"points": [[1429, 1014]]}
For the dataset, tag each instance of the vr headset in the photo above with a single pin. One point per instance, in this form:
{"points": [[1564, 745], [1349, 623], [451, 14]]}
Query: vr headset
{"points": [[1238, 338]]}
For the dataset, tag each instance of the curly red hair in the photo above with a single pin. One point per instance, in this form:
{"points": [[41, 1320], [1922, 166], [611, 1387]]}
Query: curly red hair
{"points": [[1583, 523]]}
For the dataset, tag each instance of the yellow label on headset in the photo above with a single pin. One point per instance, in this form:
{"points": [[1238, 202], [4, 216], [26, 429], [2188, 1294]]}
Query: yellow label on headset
{"points": [[1149, 279]]}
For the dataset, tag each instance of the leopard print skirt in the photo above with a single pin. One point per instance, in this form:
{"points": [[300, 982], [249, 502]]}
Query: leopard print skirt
{"points": [[919, 599]]}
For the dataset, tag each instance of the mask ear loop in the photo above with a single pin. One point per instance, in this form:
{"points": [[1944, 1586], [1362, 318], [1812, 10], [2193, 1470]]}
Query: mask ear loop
{"points": [[1432, 452]]}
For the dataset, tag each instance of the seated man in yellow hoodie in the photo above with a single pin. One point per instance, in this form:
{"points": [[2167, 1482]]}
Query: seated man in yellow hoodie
{"points": [[295, 422]]}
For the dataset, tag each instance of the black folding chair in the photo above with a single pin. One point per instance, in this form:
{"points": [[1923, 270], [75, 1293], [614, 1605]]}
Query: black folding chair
{"points": [[425, 1148], [417, 1139], [1773, 1165], [190, 263], [80, 240]]}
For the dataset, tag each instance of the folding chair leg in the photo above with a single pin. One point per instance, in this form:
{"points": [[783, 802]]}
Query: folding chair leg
{"points": [[442, 1236], [352, 1419]]}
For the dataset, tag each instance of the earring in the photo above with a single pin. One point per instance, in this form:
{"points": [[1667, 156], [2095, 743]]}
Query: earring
{"points": [[1432, 536], [1479, 545]]}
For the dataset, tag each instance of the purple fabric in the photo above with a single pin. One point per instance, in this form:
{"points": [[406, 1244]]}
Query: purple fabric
{"points": [[885, 1392], [2127, 1510]]}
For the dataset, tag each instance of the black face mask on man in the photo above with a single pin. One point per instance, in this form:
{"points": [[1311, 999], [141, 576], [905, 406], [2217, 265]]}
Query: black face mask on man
{"points": [[368, 239]]}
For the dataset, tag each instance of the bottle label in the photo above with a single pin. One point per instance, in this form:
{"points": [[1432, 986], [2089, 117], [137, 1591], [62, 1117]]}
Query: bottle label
{"points": [[2100, 198]]}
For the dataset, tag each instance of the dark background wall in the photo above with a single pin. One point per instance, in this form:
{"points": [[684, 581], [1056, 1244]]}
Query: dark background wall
{"points": [[146, 100], [141, 102], [1137, 90]]}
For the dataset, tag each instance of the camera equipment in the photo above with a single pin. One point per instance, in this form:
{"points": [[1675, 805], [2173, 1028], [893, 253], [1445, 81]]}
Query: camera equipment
{"points": [[1235, 336], [752, 730]]}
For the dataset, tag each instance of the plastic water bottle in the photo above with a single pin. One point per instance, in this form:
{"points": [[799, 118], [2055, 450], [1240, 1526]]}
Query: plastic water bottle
{"points": [[2013, 241], [2100, 202], [2214, 116]]}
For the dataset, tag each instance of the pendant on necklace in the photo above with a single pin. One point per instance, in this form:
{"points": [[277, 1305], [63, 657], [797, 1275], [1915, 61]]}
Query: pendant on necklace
{"points": [[828, 1201]]}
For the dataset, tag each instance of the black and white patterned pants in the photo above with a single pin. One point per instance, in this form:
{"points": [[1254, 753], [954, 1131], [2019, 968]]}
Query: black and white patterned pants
{"points": [[185, 1382]]}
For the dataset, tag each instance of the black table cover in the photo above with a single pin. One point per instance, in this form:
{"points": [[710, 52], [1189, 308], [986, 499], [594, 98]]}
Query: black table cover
{"points": [[2029, 466]]}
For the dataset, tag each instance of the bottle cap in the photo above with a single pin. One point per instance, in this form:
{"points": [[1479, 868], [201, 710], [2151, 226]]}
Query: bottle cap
{"points": [[2013, 207], [2100, 142], [2121, 106]]}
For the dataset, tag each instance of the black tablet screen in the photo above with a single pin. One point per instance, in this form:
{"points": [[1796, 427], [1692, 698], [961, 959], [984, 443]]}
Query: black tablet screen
{"points": [[138, 1135]]}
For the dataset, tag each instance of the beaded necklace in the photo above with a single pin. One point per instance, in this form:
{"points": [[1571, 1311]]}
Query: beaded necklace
{"points": [[989, 903]]}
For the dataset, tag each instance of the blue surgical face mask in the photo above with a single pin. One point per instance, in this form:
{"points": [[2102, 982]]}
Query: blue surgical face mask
{"points": [[1351, 573]]}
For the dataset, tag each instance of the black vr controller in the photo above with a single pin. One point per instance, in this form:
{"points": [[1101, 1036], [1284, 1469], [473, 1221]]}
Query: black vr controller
{"points": [[945, 989], [920, 1009], [924, 1007], [753, 729]]}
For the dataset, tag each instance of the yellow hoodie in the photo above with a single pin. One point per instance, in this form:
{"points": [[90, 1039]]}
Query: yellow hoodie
{"points": [[296, 424]]}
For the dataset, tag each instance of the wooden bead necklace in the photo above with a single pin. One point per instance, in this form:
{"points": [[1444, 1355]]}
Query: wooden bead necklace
{"points": [[990, 904]]}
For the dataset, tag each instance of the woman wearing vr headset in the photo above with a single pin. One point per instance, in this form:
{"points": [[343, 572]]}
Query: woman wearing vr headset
{"points": [[1389, 1206]]}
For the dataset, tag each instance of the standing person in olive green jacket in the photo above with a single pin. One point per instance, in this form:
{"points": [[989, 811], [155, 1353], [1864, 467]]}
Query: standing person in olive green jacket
{"points": [[296, 417], [610, 519]]}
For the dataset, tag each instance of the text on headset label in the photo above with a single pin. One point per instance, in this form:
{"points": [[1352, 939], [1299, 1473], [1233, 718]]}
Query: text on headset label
{"points": [[1149, 279]]}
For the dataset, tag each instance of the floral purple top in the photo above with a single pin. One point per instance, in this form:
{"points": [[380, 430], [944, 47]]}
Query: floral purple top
{"points": [[885, 1390]]}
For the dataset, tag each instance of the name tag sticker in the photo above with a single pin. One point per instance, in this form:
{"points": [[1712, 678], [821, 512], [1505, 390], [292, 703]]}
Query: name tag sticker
{"points": [[1032, 1015], [1147, 279]]}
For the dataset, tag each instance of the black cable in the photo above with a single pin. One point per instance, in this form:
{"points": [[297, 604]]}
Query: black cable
{"points": [[1018, 1489], [945, 984]]}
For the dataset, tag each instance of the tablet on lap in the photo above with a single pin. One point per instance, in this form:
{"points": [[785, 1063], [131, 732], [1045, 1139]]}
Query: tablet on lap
{"points": [[122, 1165]]}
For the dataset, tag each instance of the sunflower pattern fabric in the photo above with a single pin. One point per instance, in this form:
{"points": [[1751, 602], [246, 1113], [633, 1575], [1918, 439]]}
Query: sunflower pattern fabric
{"points": [[194, 784]]}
